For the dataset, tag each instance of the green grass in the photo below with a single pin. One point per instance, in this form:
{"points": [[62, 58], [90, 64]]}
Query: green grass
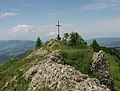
{"points": [[8, 71], [80, 58], [114, 70], [16, 68]]}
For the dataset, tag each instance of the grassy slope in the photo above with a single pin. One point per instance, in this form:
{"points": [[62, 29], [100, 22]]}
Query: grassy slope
{"points": [[115, 70], [16, 68], [80, 58]]}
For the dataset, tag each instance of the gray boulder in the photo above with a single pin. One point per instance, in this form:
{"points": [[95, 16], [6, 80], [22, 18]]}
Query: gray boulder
{"points": [[100, 68]]}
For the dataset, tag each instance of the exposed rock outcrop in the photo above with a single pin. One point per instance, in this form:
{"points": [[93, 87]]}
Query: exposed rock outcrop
{"points": [[39, 52], [53, 74], [52, 43], [100, 68], [56, 56]]}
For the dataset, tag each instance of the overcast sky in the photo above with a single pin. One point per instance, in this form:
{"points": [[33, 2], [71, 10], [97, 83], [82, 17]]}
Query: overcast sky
{"points": [[28, 19]]}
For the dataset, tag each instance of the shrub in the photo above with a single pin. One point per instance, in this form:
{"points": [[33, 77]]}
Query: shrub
{"points": [[95, 46]]}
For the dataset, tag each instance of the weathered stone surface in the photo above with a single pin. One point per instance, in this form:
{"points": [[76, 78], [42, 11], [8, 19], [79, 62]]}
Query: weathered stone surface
{"points": [[39, 52], [56, 56], [52, 43], [53, 74], [100, 68], [31, 72]]}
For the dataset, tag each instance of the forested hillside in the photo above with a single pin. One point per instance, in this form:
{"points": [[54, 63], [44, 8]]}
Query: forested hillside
{"points": [[14, 48]]}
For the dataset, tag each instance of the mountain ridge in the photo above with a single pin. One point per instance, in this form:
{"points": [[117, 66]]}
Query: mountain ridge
{"points": [[107, 42], [14, 48]]}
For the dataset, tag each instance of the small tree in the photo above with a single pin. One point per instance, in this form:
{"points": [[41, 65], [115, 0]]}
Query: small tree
{"points": [[95, 46], [38, 42], [66, 36], [76, 40], [74, 37]]}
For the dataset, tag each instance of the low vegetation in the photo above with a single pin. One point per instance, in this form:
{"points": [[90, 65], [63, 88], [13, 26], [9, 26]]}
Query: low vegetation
{"points": [[78, 56]]}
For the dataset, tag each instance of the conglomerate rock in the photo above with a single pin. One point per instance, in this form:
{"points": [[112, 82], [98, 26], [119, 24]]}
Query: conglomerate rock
{"points": [[100, 68], [53, 74]]}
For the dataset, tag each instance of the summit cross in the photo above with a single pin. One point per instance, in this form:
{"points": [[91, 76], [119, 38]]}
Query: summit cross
{"points": [[58, 36]]}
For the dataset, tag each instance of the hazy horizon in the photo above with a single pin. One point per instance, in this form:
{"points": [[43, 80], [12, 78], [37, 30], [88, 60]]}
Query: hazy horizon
{"points": [[55, 38], [28, 19]]}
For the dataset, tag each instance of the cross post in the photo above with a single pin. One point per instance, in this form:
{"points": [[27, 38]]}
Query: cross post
{"points": [[58, 36]]}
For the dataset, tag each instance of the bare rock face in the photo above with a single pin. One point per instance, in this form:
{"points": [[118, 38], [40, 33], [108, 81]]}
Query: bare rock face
{"points": [[39, 52], [53, 74], [56, 56], [52, 43], [100, 68]]}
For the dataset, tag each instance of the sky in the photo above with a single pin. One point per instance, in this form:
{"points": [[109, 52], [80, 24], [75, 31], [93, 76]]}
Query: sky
{"points": [[29, 19]]}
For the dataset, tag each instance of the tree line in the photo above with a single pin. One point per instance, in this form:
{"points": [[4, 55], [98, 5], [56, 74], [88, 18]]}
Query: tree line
{"points": [[75, 40]]}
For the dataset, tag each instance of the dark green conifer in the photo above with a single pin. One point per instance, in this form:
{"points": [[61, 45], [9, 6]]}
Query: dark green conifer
{"points": [[95, 46], [38, 42]]}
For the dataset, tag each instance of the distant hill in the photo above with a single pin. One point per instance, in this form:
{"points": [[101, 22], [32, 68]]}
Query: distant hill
{"points": [[56, 65], [107, 42], [14, 48]]}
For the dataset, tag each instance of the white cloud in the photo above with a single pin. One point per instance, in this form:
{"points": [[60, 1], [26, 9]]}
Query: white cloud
{"points": [[104, 28], [96, 6], [7, 14], [93, 5], [103, 4], [21, 28], [52, 33]]}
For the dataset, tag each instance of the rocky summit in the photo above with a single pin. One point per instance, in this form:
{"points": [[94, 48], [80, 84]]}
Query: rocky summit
{"points": [[52, 73], [100, 68]]}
